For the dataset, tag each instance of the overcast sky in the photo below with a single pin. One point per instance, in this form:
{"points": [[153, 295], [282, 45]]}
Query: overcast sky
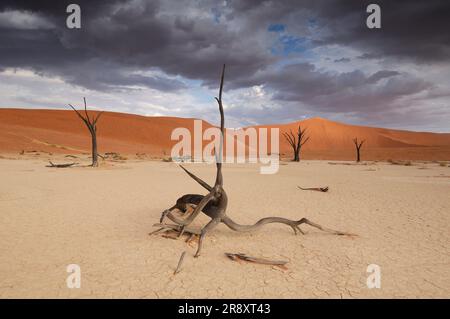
{"points": [[286, 60]]}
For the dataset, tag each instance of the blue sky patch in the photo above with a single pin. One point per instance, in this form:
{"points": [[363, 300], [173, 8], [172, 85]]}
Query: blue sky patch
{"points": [[288, 44], [276, 28]]}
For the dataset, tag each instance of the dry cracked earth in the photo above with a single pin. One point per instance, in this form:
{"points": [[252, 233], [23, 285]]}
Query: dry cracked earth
{"points": [[100, 218]]}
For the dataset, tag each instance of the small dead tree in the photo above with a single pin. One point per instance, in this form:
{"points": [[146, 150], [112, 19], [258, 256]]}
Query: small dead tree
{"points": [[91, 124], [215, 203], [358, 148], [296, 141]]}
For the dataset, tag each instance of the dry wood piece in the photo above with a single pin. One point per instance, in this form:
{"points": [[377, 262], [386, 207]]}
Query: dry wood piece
{"points": [[256, 260], [187, 230], [180, 262], [174, 232], [91, 124], [319, 189], [60, 165], [157, 231], [214, 204], [170, 235], [350, 164], [190, 238]]}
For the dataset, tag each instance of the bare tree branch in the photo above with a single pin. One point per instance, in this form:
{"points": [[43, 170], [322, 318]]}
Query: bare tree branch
{"points": [[180, 262], [197, 179], [85, 111], [306, 140], [98, 116], [79, 115]]}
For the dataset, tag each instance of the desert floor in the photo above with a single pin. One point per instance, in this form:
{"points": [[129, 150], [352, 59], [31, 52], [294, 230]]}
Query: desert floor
{"points": [[100, 219]]}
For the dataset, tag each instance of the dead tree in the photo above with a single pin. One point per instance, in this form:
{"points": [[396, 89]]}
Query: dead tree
{"points": [[358, 148], [296, 141], [91, 124], [214, 204]]}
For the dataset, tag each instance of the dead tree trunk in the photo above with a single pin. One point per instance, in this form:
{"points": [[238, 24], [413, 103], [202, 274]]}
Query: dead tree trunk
{"points": [[91, 124], [214, 204], [358, 148], [296, 141], [94, 149]]}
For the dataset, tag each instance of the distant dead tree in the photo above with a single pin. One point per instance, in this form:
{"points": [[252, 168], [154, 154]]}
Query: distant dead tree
{"points": [[92, 127], [296, 141], [358, 148]]}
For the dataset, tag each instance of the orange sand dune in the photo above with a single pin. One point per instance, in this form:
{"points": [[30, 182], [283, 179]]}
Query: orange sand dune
{"points": [[333, 140], [61, 131]]}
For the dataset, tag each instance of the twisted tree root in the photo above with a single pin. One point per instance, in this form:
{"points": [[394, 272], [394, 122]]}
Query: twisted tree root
{"points": [[246, 228], [292, 223]]}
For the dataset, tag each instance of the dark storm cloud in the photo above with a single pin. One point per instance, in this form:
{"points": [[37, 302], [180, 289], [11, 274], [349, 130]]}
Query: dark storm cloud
{"points": [[342, 60], [48, 51], [339, 92], [381, 75], [415, 30], [134, 43], [368, 56], [101, 76], [146, 34], [130, 34], [411, 29], [53, 9]]}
